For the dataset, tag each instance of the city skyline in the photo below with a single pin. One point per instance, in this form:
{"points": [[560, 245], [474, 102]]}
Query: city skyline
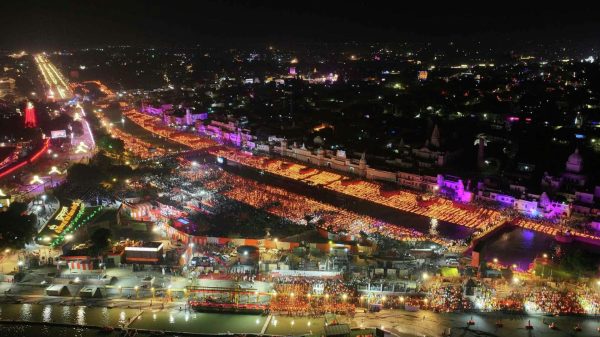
{"points": [[307, 169]]}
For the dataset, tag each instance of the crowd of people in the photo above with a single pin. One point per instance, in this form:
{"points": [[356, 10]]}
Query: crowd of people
{"points": [[312, 296], [297, 208], [550, 301], [448, 298]]}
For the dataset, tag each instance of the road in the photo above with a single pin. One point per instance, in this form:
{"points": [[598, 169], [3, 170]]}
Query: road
{"points": [[56, 84]]}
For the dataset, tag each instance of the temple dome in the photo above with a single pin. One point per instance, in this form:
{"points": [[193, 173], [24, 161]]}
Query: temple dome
{"points": [[575, 162]]}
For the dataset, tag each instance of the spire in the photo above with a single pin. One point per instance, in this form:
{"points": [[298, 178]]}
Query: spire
{"points": [[435, 137]]}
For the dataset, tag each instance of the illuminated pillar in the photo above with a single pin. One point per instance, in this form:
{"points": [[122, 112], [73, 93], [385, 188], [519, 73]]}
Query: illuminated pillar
{"points": [[30, 119]]}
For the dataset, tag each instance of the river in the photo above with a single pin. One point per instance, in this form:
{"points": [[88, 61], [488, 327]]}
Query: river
{"points": [[174, 321]]}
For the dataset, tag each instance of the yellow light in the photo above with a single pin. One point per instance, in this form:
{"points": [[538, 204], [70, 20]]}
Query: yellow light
{"points": [[82, 148], [54, 170], [36, 180]]}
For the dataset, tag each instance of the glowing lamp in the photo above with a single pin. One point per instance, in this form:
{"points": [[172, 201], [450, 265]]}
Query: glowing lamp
{"points": [[36, 180], [54, 170]]}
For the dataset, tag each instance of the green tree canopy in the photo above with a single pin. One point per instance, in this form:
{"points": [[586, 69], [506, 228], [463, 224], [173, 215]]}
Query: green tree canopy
{"points": [[101, 239], [16, 227]]}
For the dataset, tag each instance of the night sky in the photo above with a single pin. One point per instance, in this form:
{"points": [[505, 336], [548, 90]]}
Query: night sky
{"points": [[63, 24]]}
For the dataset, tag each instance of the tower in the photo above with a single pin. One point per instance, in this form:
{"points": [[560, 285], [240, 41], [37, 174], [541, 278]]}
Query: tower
{"points": [[435, 137], [30, 119], [575, 162], [481, 141], [362, 165]]}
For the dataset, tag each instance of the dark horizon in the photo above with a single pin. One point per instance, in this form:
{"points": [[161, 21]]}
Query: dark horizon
{"points": [[69, 24]]}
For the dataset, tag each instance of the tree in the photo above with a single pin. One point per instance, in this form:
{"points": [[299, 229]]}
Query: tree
{"points": [[578, 262], [81, 174], [101, 239], [110, 144], [17, 228]]}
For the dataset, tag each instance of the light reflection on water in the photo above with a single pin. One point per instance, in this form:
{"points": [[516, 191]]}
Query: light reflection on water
{"points": [[66, 311], [26, 312], [64, 314], [81, 315], [105, 315], [47, 313], [517, 246]]}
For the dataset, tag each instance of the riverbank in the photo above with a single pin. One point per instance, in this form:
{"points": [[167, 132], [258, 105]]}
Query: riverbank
{"points": [[40, 320]]}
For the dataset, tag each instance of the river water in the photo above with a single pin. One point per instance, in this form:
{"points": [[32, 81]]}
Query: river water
{"points": [[174, 321]]}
